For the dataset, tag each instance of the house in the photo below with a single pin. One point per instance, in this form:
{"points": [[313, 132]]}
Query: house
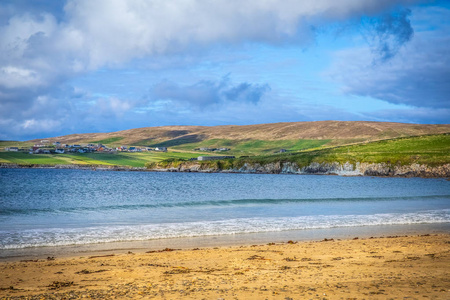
{"points": [[57, 144], [132, 149], [13, 149], [59, 150], [162, 149]]}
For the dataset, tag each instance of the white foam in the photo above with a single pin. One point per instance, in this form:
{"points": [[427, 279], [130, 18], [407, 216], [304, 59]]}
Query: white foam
{"points": [[103, 234]]}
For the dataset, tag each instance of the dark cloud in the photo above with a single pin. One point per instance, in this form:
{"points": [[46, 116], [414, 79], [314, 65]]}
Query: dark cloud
{"points": [[386, 34], [206, 92], [417, 76]]}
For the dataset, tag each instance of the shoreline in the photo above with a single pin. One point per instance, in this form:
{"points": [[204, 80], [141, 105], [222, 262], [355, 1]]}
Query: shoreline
{"points": [[359, 267], [246, 239], [318, 170]]}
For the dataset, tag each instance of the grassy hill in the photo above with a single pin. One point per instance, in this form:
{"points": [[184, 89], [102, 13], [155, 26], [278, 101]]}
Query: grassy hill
{"points": [[332, 132], [431, 150], [304, 142]]}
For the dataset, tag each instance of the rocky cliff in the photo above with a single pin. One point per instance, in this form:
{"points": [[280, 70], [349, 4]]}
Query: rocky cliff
{"points": [[346, 169]]}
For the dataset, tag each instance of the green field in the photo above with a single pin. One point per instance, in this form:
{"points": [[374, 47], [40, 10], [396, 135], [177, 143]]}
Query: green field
{"points": [[4, 144], [431, 150], [107, 159], [253, 147]]}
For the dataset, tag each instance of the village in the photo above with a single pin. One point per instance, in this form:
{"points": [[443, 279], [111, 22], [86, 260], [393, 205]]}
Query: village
{"points": [[58, 148], [45, 147]]}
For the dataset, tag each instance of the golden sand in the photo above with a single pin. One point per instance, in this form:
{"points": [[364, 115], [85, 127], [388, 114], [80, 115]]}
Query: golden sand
{"points": [[409, 267]]}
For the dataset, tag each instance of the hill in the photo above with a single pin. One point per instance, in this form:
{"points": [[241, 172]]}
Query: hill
{"points": [[420, 156], [329, 133]]}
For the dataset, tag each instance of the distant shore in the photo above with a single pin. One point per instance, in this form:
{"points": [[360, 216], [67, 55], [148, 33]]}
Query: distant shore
{"points": [[378, 169], [368, 267]]}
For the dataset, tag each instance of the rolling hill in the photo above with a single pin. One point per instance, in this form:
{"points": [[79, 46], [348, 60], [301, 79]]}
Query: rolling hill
{"points": [[329, 133]]}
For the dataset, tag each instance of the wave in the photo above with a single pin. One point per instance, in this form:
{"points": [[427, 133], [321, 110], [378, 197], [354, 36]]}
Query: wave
{"points": [[104, 234], [210, 203]]}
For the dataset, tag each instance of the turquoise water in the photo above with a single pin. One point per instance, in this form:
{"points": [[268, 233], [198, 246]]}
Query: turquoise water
{"points": [[46, 207]]}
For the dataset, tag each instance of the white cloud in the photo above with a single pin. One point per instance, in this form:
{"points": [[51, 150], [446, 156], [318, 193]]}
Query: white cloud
{"points": [[40, 50], [14, 77], [33, 125], [116, 31]]}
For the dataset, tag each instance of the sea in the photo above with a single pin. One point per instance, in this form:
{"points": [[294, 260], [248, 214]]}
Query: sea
{"points": [[53, 207]]}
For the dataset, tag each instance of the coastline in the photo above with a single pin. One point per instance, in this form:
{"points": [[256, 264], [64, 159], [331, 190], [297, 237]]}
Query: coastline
{"points": [[359, 267], [245, 239], [333, 169]]}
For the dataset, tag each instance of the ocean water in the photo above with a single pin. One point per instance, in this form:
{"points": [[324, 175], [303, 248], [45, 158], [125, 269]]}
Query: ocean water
{"points": [[47, 207]]}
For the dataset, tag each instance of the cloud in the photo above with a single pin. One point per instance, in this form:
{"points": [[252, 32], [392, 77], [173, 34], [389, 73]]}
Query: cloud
{"points": [[207, 92], [388, 33], [45, 43], [417, 76]]}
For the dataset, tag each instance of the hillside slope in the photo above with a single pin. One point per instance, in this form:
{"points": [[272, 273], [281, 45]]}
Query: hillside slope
{"points": [[336, 132]]}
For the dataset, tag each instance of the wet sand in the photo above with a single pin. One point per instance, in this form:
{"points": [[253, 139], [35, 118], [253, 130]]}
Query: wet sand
{"points": [[395, 267]]}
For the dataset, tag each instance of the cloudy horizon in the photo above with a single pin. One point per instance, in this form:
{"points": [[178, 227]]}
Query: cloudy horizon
{"points": [[80, 66]]}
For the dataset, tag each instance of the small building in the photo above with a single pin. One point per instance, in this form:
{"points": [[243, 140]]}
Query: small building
{"points": [[162, 149], [59, 150], [13, 149], [56, 143]]}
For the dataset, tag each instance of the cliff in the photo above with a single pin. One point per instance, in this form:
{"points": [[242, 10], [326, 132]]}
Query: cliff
{"points": [[346, 169]]}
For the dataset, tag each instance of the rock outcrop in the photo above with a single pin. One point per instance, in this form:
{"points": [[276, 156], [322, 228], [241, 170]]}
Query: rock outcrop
{"points": [[334, 168]]}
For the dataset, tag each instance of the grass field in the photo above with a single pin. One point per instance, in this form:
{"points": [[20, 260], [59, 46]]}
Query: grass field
{"points": [[107, 159], [253, 147], [4, 144], [431, 150]]}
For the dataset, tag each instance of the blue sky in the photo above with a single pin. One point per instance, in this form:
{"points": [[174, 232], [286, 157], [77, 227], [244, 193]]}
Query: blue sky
{"points": [[81, 66]]}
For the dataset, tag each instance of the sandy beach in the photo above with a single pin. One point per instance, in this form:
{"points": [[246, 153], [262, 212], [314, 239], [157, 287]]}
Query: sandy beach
{"points": [[390, 267]]}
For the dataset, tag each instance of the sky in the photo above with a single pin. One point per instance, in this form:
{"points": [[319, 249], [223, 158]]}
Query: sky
{"points": [[81, 66]]}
